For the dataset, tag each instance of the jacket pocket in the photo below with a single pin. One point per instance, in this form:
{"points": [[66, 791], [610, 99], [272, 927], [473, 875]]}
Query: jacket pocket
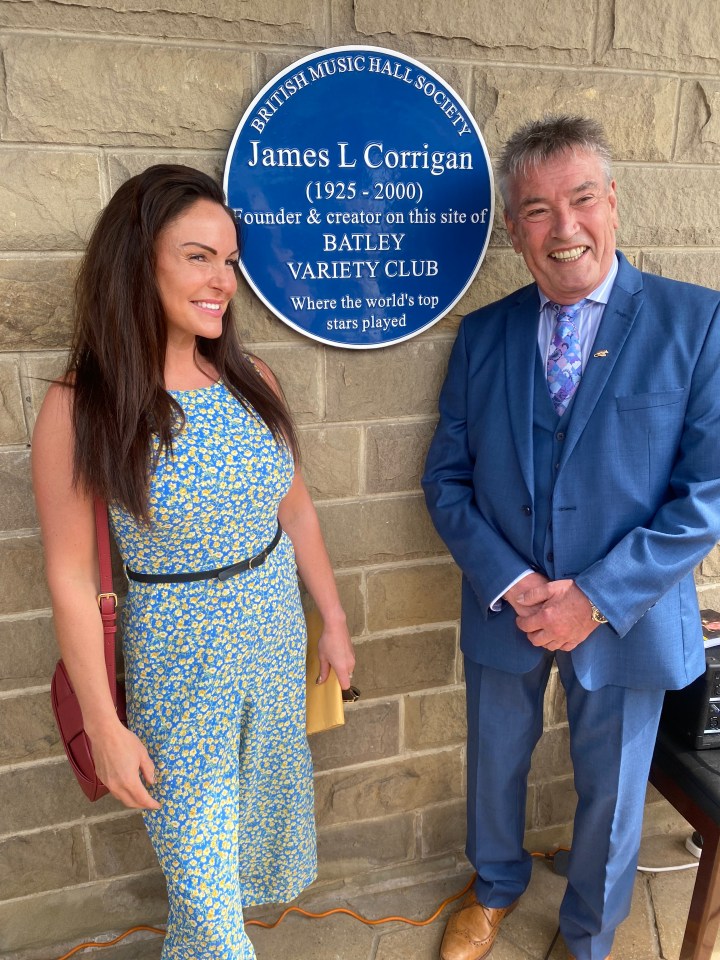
{"points": [[641, 401]]}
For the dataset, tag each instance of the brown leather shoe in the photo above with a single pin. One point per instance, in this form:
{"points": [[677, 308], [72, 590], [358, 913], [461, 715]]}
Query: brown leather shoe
{"points": [[470, 933]]}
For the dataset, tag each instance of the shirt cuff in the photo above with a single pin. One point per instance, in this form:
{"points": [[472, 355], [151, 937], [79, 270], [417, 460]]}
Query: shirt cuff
{"points": [[497, 603]]}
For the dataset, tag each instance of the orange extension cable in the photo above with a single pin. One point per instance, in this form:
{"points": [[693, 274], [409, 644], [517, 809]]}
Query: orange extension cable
{"points": [[307, 913]]}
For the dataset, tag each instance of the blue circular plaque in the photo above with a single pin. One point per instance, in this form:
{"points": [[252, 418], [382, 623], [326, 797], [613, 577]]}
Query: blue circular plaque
{"points": [[364, 195]]}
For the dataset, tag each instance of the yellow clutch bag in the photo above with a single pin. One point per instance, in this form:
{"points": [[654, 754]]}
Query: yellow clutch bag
{"points": [[324, 702]]}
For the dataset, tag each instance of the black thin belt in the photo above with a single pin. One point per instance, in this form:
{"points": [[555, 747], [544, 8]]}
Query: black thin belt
{"points": [[221, 573]]}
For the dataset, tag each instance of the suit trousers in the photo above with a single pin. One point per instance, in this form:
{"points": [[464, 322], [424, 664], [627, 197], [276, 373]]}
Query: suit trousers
{"points": [[612, 736]]}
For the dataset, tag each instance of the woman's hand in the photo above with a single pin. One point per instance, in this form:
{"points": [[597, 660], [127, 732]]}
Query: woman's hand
{"points": [[120, 757], [335, 650]]}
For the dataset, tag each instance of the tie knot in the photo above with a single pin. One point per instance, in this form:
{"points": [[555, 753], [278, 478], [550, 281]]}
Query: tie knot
{"points": [[569, 311]]}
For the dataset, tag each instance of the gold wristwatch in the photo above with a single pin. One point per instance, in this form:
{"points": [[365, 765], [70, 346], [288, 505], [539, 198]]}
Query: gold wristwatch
{"points": [[596, 615]]}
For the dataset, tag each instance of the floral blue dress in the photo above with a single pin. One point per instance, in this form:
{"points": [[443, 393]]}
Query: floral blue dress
{"points": [[215, 676]]}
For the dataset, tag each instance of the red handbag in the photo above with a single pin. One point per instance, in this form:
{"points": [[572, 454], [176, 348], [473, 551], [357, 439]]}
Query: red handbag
{"points": [[64, 702]]}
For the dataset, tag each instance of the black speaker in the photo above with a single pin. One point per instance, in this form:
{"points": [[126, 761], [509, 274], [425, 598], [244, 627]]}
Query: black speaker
{"points": [[694, 712]]}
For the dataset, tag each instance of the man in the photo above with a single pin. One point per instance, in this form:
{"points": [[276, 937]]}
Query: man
{"points": [[574, 475]]}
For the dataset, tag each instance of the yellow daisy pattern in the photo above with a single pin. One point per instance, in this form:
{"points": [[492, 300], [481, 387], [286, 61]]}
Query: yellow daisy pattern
{"points": [[215, 676]]}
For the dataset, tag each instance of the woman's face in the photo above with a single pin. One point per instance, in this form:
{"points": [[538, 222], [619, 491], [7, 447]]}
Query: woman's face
{"points": [[195, 267]]}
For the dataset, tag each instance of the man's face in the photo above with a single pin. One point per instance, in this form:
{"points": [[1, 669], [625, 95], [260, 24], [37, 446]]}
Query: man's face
{"points": [[563, 218]]}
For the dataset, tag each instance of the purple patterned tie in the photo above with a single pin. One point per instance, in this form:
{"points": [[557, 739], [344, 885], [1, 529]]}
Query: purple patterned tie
{"points": [[564, 362]]}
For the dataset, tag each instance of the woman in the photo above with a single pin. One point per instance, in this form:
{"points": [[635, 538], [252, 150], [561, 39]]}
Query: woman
{"points": [[190, 443]]}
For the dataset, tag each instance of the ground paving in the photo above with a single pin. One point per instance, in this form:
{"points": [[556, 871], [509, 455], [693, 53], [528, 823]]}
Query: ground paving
{"points": [[653, 931]]}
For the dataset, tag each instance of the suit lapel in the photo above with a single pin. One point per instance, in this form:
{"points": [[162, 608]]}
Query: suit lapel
{"points": [[625, 301], [521, 331]]}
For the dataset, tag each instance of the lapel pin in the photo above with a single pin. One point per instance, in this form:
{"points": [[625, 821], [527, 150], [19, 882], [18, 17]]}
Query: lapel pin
{"points": [[601, 353]]}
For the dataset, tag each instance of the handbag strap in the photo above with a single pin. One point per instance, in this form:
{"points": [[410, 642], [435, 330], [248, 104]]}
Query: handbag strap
{"points": [[107, 598]]}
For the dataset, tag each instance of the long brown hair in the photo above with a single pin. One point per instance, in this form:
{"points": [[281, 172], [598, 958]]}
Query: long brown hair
{"points": [[116, 365]]}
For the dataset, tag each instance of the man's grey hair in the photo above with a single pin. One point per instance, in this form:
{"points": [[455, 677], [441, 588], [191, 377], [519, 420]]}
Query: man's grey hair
{"points": [[538, 141]]}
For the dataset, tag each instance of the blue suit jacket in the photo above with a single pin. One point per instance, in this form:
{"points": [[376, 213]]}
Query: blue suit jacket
{"points": [[637, 497]]}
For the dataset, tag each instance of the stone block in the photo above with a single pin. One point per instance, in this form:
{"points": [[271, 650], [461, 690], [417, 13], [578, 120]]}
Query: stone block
{"points": [[668, 35], [395, 455], [27, 729], [257, 324], [120, 846], [252, 21], [28, 652], [551, 758], [43, 795], [353, 602], [22, 576], [709, 597], [122, 166], [49, 198], [371, 732], [667, 206], [698, 137], [405, 661], [331, 461], [636, 111], [413, 596], [358, 848], [12, 418], [443, 828], [298, 368], [399, 786], [692, 266], [45, 860], [435, 719], [378, 531], [555, 709], [556, 802], [78, 913], [16, 497], [36, 303], [108, 93], [38, 373], [710, 566], [561, 33], [398, 381]]}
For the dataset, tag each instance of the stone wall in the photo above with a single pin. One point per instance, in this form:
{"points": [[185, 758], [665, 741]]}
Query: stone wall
{"points": [[93, 91]]}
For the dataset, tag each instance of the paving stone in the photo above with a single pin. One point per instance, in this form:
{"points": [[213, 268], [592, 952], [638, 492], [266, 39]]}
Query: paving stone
{"points": [[435, 719], [398, 786], [27, 729], [532, 925], [357, 849], [330, 459], [671, 894], [102, 92], [396, 455], [49, 198], [398, 381], [413, 596], [16, 497], [374, 531], [254, 21], [121, 845], [138, 946], [28, 652], [637, 112], [46, 860], [36, 303], [334, 938], [12, 418], [81, 913], [371, 732], [692, 266], [405, 662]]}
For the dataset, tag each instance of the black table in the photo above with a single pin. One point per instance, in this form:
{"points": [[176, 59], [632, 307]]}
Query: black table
{"points": [[690, 780]]}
